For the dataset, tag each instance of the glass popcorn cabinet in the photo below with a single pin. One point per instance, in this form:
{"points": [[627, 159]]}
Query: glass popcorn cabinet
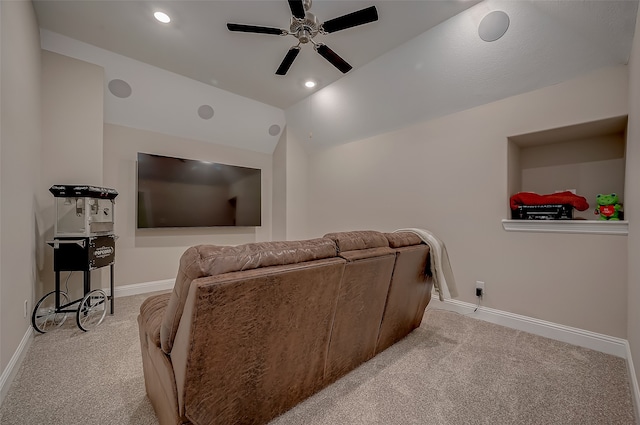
{"points": [[83, 211], [84, 240]]}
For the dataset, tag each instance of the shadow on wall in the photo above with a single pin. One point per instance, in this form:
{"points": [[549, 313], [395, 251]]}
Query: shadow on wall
{"points": [[173, 237]]}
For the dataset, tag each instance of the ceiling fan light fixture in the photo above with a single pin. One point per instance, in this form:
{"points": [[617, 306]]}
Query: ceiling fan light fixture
{"points": [[162, 17]]}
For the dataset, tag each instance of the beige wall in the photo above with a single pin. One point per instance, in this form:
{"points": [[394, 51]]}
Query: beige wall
{"points": [[290, 188], [149, 255], [279, 161], [632, 207], [72, 116], [20, 145], [72, 105], [449, 175], [297, 189]]}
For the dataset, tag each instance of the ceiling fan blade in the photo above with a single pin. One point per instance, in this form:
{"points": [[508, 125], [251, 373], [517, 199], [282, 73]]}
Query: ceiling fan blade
{"points": [[297, 8], [333, 57], [288, 60], [360, 17], [255, 29]]}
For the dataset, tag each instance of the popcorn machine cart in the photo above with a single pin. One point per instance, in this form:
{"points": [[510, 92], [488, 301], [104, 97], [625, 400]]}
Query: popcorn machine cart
{"points": [[84, 240]]}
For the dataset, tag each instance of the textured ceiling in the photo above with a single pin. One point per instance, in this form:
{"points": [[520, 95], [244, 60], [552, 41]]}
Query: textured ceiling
{"points": [[197, 44], [421, 60], [449, 68]]}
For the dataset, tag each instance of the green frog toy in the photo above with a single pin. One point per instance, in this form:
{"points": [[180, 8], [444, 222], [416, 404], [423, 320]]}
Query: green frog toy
{"points": [[608, 207]]}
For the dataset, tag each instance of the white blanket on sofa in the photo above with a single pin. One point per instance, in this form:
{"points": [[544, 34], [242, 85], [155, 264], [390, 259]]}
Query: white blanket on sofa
{"points": [[440, 266]]}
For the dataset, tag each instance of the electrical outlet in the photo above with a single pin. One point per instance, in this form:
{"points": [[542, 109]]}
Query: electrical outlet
{"points": [[480, 287], [26, 308]]}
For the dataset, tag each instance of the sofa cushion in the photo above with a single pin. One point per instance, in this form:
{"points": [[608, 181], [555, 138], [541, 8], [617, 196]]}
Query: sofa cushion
{"points": [[361, 254], [361, 303], [409, 294], [210, 260], [362, 239], [400, 239], [151, 311]]}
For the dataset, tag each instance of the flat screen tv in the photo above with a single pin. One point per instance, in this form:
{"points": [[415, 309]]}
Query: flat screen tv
{"points": [[178, 192]]}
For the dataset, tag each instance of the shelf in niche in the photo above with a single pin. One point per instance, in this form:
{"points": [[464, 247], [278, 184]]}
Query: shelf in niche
{"points": [[567, 226], [568, 157]]}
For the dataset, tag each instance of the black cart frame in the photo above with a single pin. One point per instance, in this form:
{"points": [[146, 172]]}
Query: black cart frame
{"points": [[85, 255], [83, 241]]}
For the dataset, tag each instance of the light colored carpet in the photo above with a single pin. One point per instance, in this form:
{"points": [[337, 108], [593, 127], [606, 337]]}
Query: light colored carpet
{"points": [[452, 370], [459, 370], [73, 377]]}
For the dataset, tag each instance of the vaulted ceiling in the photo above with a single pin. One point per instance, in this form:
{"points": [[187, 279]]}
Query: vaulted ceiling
{"points": [[198, 45], [421, 59]]}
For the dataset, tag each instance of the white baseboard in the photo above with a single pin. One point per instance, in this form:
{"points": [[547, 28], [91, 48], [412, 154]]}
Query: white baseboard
{"points": [[9, 372], [142, 288], [633, 383], [580, 337]]}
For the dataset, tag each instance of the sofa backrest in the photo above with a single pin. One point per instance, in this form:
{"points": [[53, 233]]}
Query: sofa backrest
{"points": [[252, 344], [210, 260], [358, 240], [361, 300], [252, 330], [409, 291]]}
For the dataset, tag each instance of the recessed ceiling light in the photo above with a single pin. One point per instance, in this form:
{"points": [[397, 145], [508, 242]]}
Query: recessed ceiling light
{"points": [[310, 84], [162, 17]]}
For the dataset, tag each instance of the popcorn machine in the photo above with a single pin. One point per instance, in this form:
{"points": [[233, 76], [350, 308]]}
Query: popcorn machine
{"points": [[84, 240]]}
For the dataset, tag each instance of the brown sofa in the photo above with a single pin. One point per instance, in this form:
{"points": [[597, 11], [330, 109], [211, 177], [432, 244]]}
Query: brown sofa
{"points": [[250, 331]]}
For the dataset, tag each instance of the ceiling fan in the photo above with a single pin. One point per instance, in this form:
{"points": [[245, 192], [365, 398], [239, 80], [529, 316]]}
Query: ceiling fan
{"points": [[305, 26]]}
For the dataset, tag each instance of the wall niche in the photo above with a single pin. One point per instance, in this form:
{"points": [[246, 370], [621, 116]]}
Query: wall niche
{"points": [[587, 157]]}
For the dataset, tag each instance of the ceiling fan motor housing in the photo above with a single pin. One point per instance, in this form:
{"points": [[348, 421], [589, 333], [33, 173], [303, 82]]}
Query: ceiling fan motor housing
{"points": [[305, 29]]}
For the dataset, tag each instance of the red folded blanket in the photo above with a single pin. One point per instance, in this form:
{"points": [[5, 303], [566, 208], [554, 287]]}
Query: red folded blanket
{"points": [[529, 198]]}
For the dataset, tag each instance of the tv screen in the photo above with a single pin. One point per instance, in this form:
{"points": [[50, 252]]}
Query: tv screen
{"points": [[178, 192]]}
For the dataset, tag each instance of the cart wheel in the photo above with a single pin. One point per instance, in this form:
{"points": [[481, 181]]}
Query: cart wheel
{"points": [[92, 310], [45, 317]]}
